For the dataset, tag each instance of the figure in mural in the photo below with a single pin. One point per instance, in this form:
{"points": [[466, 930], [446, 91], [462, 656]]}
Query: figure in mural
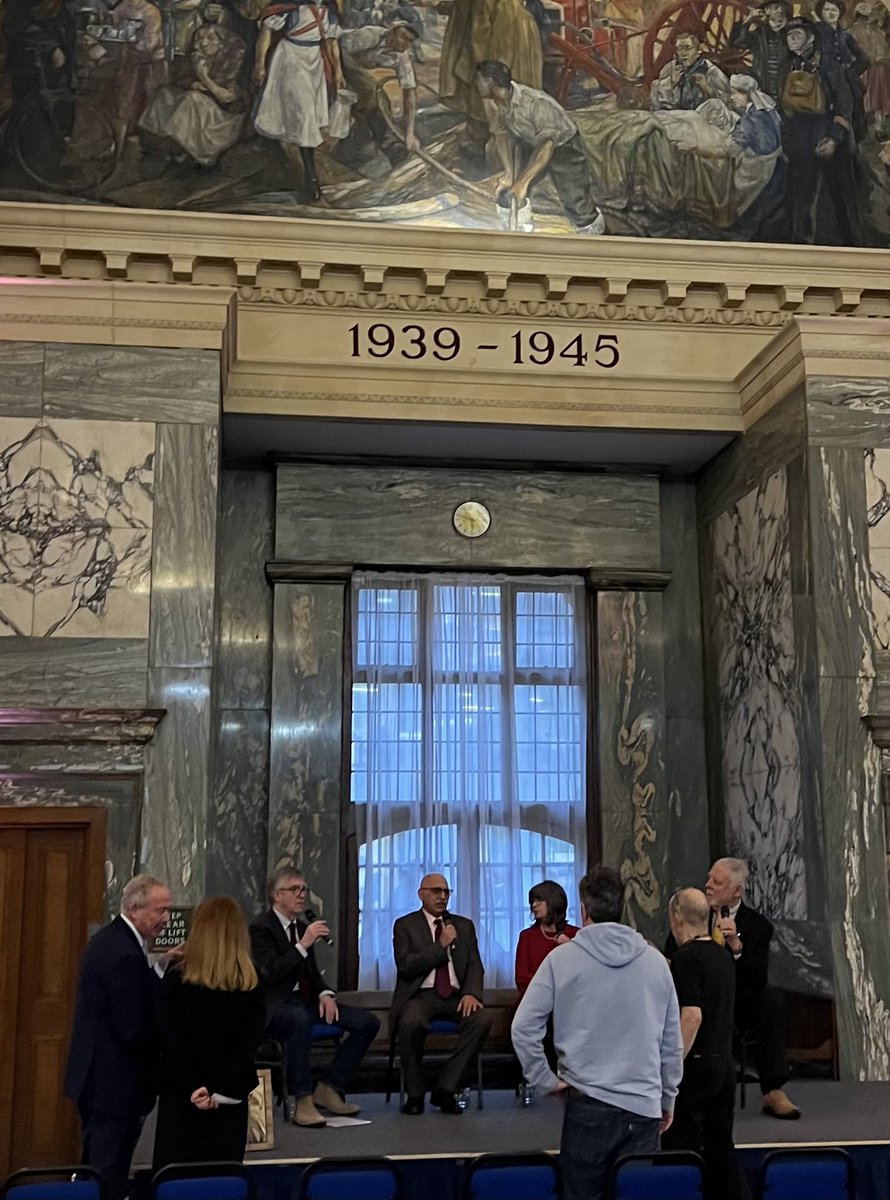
{"points": [[762, 34], [689, 79], [527, 124], [205, 117], [368, 53], [844, 57], [294, 103], [868, 33], [140, 66], [817, 106], [486, 31]]}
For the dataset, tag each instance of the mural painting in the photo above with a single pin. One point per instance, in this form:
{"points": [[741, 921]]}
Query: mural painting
{"points": [[657, 118]]}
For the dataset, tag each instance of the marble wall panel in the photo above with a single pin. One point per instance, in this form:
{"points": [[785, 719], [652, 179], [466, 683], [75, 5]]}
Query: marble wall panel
{"points": [[774, 441], [120, 796], [845, 625], [131, 383], [858, 899], [239, 804], [184, 546], [244, 595], [75, 532], [306, 732], [386, 516], [73, 672], [751, 627], [634, 804], [21, 378], [848, 412], [877, 499], [177, 780]]}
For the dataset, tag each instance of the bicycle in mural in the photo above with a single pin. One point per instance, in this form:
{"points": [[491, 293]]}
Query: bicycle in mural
{"points": [[712, 119]]}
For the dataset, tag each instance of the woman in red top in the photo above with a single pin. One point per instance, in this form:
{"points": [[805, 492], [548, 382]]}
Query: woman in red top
{"points": [[548, 903]]}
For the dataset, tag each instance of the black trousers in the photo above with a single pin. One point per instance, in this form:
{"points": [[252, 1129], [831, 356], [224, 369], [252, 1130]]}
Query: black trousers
{"points": [[703, 1117], [764, 1013], [109, 1140], [414, 1024]]}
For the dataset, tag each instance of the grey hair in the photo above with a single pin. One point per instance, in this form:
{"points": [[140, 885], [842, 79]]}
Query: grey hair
{"points": [[737, 867], [136, 892], [690, 906], [278, 876]]}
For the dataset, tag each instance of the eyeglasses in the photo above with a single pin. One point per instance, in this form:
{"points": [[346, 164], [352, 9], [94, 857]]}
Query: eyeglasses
{"points": [[446, 892], [296, 889]]}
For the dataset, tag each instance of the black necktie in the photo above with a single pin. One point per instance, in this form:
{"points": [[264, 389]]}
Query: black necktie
{"points": [[292, 933]]}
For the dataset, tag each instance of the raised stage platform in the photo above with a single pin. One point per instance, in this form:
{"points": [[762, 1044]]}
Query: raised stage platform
{"points": [[432, 1148]]}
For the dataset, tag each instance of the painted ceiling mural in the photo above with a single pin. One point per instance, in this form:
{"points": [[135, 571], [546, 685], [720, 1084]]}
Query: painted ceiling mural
{"points": [[657, 118]]}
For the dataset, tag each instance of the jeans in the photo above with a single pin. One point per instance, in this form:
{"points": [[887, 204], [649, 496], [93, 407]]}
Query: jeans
{"points": [[594, 1136], [292, 1024]]}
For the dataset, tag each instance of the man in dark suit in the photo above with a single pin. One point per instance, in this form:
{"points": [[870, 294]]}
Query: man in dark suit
{"points": [[298, 996], [747, 935], [111, 1072], [439, 977]]}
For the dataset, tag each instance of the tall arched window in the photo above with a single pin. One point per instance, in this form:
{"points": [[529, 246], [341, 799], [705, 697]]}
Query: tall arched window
{"points": [[469, 722]]}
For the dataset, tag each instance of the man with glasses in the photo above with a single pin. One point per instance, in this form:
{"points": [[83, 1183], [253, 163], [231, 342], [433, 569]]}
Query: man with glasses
{"points": [[298, 996], [439, 977]]}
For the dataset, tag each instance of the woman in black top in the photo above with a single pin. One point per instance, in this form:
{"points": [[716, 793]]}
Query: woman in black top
{"points": [[211, 1015]]}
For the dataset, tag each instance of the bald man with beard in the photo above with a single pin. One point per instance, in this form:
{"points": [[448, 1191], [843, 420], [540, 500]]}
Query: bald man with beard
{"points": [[439, 977]]}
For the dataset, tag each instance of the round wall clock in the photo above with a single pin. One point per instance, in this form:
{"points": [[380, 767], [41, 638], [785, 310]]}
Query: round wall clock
{"points": [[471, 519]]}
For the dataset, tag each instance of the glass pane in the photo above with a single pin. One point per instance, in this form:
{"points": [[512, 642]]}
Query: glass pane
{"points": [[467, 628], [466, 747], [545, 631], [549, 738], [386, 627], [386, 743]]}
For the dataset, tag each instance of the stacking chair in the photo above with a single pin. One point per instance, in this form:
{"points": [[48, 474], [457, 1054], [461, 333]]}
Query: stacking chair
{"points": [[437, 1029], [743, 1042], [54, 1183], [807, 1174], [666, 1174], [203, 1181], [351, 1179], [512, 1177]]}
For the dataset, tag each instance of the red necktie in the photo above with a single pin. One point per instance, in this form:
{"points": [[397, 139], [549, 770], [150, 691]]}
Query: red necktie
{"points": [[442, 984]]}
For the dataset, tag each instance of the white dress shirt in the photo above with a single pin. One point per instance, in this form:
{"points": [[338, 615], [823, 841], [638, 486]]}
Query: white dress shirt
{"points": [[429, 981], [286, 924]]}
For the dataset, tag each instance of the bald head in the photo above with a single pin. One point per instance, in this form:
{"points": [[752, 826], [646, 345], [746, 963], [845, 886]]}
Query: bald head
{"points": [[434, 893], [689, 913]]}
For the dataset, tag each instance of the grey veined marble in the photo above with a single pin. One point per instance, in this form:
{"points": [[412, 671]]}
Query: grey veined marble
{"points": [[757, 680], [877, 495], [76, 501]]}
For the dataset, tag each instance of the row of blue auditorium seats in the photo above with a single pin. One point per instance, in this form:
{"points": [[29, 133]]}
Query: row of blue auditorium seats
{"points": [[817, 1174]]}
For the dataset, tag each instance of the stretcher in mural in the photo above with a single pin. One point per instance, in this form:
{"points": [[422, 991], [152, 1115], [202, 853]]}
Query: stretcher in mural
{"points": [[657, 118]]}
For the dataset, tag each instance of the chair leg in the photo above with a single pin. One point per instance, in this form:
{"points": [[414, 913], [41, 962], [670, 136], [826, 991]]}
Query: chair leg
{"points": [[391, 1066], [479, 1080], [743, 1071]]}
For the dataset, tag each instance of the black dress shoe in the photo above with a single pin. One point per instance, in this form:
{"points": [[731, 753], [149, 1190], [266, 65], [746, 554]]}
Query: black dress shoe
{"points": [[446, 1102], [413, 1106]]}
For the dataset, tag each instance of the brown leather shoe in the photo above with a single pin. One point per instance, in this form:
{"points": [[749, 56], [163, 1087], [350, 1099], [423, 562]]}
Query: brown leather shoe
{"points": [[776, 1104], [307, 1114], [327, 1097]]}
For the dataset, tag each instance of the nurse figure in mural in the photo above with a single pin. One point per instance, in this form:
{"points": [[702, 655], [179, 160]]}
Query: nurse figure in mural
{"points": [[298, 78]]}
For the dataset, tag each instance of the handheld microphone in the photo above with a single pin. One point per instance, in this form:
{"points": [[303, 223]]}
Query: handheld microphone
{"points": [[724, 912], [311, 916]]}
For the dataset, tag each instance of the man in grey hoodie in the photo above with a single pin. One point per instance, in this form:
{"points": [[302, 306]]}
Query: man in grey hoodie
{"points": [[616, 1029]]}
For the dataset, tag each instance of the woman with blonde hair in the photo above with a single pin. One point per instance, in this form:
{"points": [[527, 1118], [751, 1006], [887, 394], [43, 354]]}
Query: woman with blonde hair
{"points": [[211, 1015]]}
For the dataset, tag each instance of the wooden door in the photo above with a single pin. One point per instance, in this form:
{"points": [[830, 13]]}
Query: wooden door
{"points": [[51, 887]]}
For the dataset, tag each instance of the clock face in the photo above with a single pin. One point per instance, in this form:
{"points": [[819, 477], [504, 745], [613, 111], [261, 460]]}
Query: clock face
{"points": [[471, 519]]}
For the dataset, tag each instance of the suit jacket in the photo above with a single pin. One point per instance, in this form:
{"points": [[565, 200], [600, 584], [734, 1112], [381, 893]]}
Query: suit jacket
{"points": [[416, 954], [208, 1037], [112, 1056], [280, 966]]}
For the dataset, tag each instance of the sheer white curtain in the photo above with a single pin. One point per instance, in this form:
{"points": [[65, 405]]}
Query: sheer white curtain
{"points": [[468, 751]]}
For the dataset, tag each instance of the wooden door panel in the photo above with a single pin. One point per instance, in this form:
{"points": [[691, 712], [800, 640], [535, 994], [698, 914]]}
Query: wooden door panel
{"points": [[12, 888], [53, 928]]}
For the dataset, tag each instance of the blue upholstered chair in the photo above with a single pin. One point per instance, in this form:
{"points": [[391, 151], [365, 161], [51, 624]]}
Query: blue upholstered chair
{"points": [[512, 1177], [665, 1175], [351, 1179], [203, 1181], [807, 1175], [436, 1029], [55, 1183]]}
